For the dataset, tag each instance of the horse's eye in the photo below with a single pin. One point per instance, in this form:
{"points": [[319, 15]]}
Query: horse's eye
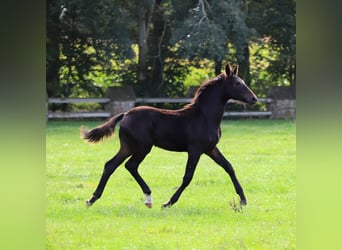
{"points": [[236, 83]]}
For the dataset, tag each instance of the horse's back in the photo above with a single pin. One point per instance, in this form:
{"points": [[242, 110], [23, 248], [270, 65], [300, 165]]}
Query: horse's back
{"points": [[168, 129]]}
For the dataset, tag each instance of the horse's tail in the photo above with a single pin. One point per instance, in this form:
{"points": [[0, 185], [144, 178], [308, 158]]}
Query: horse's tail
{"points": [[103, 131]]}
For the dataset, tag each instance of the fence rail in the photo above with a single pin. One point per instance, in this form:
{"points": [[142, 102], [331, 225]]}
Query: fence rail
{"points": [[105, 114], [78, 100], [185, 100]]}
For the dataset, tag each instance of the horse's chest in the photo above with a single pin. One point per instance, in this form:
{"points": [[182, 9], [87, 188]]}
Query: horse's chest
{"points": [[212, 139], [207, 137]]}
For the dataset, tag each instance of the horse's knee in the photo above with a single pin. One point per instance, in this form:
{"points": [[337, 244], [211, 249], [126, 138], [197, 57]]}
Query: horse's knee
{"points": [[130, 167], [187, 178], [108, 168]]}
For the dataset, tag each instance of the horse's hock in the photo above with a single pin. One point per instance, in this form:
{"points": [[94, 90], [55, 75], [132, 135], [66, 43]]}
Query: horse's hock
{"points": [[122, 99], [283, 105]]}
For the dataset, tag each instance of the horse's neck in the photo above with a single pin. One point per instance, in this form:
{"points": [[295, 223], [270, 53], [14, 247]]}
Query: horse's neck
{"points": [[212, 109], [214, 115]]}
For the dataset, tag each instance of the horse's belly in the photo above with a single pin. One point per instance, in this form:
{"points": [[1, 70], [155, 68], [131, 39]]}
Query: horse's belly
{"points": [[171, 145]]}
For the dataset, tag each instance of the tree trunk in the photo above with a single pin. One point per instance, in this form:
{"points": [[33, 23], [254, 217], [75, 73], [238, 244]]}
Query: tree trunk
{"points": [[53, 63], [218, 67], [52, 70], [244, 66], [144, 17], [292, 74], [156, 58]]}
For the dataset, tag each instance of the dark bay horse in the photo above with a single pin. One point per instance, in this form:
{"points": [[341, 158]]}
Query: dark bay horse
{"points": [[194, 129]]}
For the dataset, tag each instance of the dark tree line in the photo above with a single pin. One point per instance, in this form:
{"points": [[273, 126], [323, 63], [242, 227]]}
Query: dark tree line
{"points": [[150, 44]]}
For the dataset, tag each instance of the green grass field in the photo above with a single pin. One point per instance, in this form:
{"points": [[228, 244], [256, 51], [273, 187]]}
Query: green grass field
{"points": [[262, 152]]}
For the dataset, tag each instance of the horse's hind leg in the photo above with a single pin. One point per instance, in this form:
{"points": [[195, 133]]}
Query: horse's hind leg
{"points": [[132, 166], [108, 170], [217, 156]]}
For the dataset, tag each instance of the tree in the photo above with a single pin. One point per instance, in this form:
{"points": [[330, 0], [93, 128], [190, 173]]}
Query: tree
{"points": [[145, 10], [208, 29], [92, 44], [84, 36], [52, 47], [160, 71], [275, 22]]}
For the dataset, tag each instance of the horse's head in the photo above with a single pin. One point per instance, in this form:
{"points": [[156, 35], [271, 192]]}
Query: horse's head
{"points": [[236, 88]]}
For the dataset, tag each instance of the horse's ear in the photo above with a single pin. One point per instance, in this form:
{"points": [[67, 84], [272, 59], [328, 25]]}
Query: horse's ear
{"points": [[228, 70], [236, 69]]}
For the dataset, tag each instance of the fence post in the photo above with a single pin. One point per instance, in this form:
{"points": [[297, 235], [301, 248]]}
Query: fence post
{"points": [[283, 105], [46, 108], [122, 99]]}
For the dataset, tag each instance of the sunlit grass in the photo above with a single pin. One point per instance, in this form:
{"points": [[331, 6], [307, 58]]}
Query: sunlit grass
{"points": [[263, 153]]}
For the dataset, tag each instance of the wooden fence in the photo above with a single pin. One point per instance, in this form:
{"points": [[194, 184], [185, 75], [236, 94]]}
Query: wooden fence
{"points": [[145, 101]]}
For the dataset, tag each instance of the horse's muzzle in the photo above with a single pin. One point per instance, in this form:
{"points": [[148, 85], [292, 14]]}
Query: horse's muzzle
{"points": [[253, 100]]}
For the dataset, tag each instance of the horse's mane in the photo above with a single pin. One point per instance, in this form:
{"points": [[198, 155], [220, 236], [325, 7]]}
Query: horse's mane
{"points": [[203, 88]]}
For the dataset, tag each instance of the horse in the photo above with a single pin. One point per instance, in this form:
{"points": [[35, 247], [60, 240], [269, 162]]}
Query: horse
{"points": [[194, 129]]}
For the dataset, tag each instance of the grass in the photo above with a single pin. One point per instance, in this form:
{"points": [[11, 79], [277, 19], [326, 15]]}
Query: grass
{"points": [[263, 153]]}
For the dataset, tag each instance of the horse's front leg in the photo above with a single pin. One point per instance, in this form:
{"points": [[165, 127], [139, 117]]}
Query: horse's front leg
{"points": [[217, 156], [189, 173]]}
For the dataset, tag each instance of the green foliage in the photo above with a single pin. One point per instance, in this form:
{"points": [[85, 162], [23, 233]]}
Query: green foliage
{"points": [[262, 56], [91, 45], [209, 27], [89, 36], [275, 25], [262, 152], [175, 73], [199, 74]]}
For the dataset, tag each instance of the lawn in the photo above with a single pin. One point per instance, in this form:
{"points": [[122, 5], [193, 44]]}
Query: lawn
{"points": [[262, 152]]}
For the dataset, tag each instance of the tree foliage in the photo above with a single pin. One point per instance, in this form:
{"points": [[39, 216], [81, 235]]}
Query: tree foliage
{"points": [[275, 25], [85, 37], [153, 44], [208, 29]]}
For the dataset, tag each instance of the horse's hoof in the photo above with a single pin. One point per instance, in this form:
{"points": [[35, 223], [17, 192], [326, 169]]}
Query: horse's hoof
{"points": [[243, 202], [88, 204], [166, 205], [149, 205]]}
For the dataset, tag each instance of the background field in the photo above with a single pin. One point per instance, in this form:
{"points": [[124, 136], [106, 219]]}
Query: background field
{"points": [[263, 153]]}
